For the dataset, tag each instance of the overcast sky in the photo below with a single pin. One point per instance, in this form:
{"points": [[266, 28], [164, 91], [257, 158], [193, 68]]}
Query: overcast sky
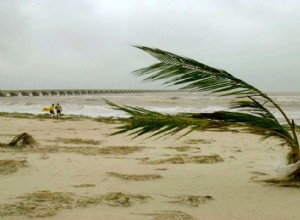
{"points": [[51, 44]]}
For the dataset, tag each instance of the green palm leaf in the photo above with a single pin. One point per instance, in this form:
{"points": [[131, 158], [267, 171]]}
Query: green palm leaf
{"points": [[144, 121], [251, 105], [269, 127], [250, 112], [195, 76], [192, 74]]}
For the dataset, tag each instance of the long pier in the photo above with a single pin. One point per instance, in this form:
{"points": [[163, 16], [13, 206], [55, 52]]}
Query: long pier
{"points": [[67, 92]]}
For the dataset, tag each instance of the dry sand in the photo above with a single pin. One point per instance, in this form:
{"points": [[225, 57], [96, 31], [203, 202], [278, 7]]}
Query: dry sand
{"points": [[78, 172]]}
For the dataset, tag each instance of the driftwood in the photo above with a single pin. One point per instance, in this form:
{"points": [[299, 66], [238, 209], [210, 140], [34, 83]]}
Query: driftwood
{"points": [[22, 140]]}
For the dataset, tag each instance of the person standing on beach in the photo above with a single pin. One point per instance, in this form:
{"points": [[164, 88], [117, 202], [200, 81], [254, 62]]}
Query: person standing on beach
{"points": [[58, 109], [52, 110]]}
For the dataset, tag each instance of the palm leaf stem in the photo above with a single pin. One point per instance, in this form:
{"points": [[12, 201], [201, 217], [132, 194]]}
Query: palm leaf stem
{"points": [[264, 108], [286, 118]]}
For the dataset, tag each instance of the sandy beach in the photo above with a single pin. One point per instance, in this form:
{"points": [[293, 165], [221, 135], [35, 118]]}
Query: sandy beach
{"points": [[76, 171]]}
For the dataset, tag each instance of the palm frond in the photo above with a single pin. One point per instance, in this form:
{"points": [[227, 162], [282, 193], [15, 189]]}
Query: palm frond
{"points": [[192, 74], [144, 121], [251, 113], [253, 106], [268, 125], [195, 76]]}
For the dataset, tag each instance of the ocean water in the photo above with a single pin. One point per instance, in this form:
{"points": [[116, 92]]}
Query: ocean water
{"points": [[171, 103]]}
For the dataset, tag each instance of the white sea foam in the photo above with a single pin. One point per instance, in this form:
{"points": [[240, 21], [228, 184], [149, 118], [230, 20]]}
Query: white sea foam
{"points": [[171, 103]]}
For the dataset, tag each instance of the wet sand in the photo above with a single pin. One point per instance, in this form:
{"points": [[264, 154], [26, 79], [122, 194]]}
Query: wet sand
{"points": [[79, 172]]}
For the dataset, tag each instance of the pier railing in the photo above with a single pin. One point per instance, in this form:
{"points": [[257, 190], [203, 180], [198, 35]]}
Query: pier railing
{"points": [[67, 92]]}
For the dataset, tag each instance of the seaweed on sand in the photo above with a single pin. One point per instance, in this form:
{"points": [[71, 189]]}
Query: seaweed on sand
{"points": [[135, 177], [285, 182], [11, 166], [23, 140], [171, 215], [189, 200], [183, 159], [39, 204], [121, 150], [84, 185], [43, 116], [77, 141], [125, 200], [117, 150], [198, 141], [47, 203], [183, 148]]}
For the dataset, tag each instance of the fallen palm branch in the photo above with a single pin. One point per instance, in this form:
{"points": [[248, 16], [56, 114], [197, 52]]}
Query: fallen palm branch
{"points": [[249, 106], [21, 141]]}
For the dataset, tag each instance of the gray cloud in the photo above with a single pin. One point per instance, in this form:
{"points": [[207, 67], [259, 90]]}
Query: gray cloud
{"points": [[86, 43]]}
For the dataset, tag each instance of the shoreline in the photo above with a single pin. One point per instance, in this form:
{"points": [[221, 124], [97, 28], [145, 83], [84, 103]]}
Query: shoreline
{"points": [[205, 175], [94, 106]]}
